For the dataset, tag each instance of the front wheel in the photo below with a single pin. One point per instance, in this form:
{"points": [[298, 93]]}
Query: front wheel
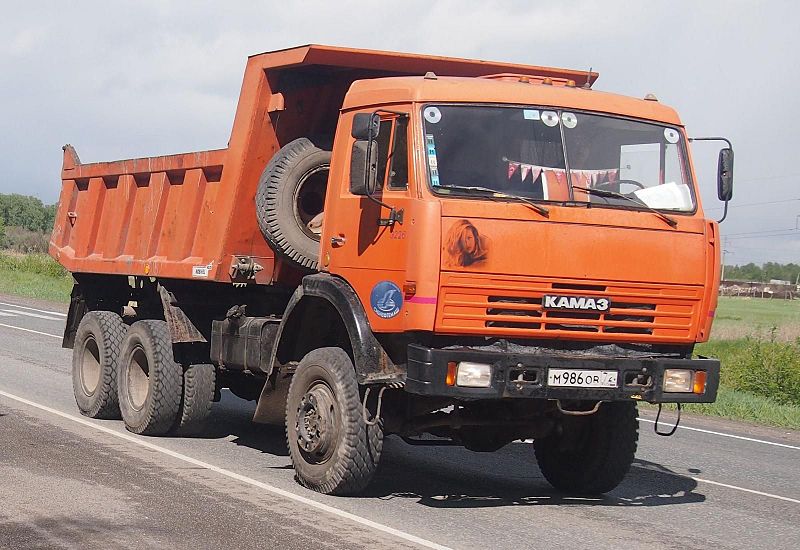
{"points": [[590, 454], [333, 449]]}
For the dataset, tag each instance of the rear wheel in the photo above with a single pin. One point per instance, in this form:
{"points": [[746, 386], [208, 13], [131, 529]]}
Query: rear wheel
{"points": [[333, 449], [150, 381], [591, 454], [199, 384], [94, 364]]}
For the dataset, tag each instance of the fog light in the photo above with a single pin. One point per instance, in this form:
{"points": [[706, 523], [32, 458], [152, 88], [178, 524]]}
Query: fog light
{"points": [[474, 375], [678, 380]]}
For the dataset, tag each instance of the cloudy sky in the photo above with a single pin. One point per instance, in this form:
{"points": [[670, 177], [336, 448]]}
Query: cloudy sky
{"points": [[148, 77]]}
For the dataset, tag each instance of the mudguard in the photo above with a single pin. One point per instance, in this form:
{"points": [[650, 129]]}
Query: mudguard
{"points": [[372, 364]]}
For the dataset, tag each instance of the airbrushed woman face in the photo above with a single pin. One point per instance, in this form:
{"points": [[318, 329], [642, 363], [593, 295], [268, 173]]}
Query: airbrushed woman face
{"points": [[470, 243]]}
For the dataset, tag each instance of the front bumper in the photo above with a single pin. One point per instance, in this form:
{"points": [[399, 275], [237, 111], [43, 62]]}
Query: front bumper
{"points": [[517, 375]]}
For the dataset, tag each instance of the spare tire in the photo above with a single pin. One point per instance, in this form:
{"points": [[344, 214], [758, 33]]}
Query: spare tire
{"points": [[291, 193]]}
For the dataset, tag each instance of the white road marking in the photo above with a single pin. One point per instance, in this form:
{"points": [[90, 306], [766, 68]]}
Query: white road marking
{"points": [[770, 495], [4, 314], [31, 330], [717, 483], [743, 438], [238, 477], [34, 309], [29, 314]]}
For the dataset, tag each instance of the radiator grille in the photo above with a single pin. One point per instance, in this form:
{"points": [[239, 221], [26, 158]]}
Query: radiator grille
{"points": [[512, 306]]}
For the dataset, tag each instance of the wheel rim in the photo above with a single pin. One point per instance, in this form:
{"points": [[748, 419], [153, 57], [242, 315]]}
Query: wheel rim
{"points": [[316, 424], [309, 198], [138, 378], [90, 366]]}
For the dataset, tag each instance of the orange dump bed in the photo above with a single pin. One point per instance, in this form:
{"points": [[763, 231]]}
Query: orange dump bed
{"points": [[190, 215]]}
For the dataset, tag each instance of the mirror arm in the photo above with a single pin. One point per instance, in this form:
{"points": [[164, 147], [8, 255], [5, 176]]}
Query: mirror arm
{"points": [[395, 216], [730, 146], [724, 213], [726, 140]]}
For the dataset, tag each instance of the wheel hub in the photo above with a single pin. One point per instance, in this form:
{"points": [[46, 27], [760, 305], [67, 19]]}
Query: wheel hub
{"points": [[315, 421]]}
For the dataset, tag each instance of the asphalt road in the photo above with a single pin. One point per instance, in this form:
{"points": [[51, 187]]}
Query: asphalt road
{"points": [[67, 481]]}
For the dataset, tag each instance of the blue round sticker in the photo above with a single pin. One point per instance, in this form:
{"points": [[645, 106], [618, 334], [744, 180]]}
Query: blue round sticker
{"points": [[386, 299]]}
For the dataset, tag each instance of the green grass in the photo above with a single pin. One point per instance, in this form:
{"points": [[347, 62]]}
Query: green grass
{"points": [[34, 276], [741, 405], [742, 317], [764, 367], [758, 343]]}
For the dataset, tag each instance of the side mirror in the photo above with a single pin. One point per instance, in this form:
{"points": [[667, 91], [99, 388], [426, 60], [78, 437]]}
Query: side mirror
{"points": [[366, 126], [363, 174], [725, 174]]}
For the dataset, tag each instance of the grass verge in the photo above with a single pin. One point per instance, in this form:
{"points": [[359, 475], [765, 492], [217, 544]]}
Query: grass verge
{"points": [[740, 405], [34, 276], [768, 368]]}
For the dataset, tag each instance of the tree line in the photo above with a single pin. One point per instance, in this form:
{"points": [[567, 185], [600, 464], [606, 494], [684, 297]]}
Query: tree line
{"points": [[763, 273], [25, 223]]}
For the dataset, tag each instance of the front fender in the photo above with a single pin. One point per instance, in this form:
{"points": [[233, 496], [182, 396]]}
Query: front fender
{"points": [[371, 361]]}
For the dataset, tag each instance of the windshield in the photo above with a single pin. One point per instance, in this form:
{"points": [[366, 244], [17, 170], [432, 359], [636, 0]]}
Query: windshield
{"points": [[548, 154]]}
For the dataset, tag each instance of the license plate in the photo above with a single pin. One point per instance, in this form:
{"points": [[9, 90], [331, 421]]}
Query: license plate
{"points": [[582, 378]]}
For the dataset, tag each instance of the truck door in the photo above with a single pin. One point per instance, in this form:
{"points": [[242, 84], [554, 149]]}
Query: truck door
{"points": [[372, 257]]}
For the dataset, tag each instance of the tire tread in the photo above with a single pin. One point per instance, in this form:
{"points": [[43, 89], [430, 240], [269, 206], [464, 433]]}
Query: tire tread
{"points": [[112, 332], [162, 407]]}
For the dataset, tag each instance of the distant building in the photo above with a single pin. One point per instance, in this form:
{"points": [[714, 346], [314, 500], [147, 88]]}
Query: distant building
{"points": [[774, 289]]}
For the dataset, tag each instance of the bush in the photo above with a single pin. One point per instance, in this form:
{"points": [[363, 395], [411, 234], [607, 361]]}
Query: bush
{"points": [[759, 366], [41, 264], [24, 240]]}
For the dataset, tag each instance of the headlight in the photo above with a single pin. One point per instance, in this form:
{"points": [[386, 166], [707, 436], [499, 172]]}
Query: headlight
{"points": [[473, 375], [678, 381]]}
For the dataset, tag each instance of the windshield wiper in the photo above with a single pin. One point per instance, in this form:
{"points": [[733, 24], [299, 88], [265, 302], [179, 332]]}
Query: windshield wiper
{"points": [[639, 202], [499, 194]]}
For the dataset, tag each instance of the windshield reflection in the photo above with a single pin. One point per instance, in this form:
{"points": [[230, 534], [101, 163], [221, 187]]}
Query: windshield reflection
{"points": [[520, 151]]}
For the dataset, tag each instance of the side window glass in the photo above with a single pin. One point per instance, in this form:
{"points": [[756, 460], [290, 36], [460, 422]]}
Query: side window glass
{"points": [[398, 161], [383, 143]]}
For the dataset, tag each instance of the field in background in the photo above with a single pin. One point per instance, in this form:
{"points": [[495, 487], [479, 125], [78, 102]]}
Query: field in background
{"points": [[34, 276], [738, 318], [758, 343]]}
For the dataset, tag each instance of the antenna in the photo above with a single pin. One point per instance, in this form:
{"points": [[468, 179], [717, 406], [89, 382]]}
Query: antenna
{"points": [[587, 84]]}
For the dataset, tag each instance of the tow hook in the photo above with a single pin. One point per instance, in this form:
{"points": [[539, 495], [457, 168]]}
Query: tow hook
{"points": [[674, 427], [365, 410], [570, 412]]}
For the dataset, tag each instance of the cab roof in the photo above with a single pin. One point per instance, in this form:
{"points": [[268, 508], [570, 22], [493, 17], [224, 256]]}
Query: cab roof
{"points": [[508, 90]]}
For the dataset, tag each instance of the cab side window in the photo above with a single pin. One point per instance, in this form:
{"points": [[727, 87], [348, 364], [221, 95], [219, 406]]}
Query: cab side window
{"points": [[393, 154], [398, 163]]}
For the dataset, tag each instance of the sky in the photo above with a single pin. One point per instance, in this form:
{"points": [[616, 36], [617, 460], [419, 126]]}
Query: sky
{"points": [[140, 78]]}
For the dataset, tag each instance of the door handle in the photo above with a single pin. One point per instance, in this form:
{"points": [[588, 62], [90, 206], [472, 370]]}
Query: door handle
{"points": [[338, 241]]}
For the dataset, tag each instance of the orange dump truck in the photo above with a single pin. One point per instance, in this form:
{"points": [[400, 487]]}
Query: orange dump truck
{"points": [[401, 244]]}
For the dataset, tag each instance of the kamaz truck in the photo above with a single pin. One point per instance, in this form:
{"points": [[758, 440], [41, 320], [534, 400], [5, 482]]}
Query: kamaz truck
{"points": [[444, 250]]}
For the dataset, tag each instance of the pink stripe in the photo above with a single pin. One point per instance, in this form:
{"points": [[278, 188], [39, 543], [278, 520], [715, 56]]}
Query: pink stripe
{"points": [[422, 300]]}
